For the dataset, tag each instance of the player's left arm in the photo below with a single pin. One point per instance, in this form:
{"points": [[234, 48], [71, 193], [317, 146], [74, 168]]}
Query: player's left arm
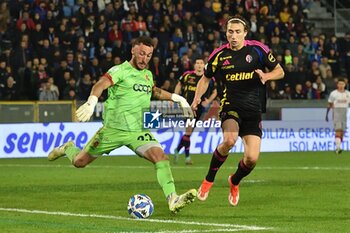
{"points": [[212, 97], [275, 74], [268, 60]]}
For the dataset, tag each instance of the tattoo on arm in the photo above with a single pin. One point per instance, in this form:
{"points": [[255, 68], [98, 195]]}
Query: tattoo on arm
{"points": [[156, 93]]}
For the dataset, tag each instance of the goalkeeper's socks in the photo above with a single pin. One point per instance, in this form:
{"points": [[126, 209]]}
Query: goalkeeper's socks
{"points": [[216, 161], [72, 152], [165, 177], [241, 172]]}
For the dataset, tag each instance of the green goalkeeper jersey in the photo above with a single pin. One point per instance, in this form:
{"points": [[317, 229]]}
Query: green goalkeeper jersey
{"points": [[128, 97]]}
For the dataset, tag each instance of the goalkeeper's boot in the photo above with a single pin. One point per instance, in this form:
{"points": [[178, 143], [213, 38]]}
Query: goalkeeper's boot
{"points": [[176, 156], [58, 152], [177, 202], [204, 189], [233, 197]]}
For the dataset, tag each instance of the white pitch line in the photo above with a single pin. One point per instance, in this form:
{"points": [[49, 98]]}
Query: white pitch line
{"points": [[187, 231], [173, 167], [224, 225]]}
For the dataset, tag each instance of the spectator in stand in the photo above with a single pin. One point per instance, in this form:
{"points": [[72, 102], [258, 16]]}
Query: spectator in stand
{"points": [[320, 87], [309, 50], [333, 61], [309, 91], [9, 91], [284, 15], [85, 86], [45, 93], [333, 44], [286, 93], [27, 20], [288, 59], [346, 53], [298, 93], [158, 70], [53, 87], [107, 63], [261, 35], [170, 83], [70, 91], [174, 66], [115, 34], [251, 6], [3, 72], [272, 91], [292, 45], [177, 37], [140, 26], [324, 67], [189, 35], [276, 46], [303, 57]]}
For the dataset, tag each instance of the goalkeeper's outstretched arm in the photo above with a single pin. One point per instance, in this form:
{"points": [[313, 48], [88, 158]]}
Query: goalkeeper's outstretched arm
{"points": [[85, 111], [160, 94]]}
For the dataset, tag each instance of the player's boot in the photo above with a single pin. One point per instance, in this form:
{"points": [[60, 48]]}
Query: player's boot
{"points": [[188, 161], [176, 156], [204, 189], [338, 151], [233, 197], [177, 202], [58, 152]]}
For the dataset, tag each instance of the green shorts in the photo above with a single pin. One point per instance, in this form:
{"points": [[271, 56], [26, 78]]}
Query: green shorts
{"points": [[106, 140]]}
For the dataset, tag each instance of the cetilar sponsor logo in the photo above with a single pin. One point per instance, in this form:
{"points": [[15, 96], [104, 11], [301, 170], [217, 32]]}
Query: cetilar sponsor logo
{"points": [[42, 138]]}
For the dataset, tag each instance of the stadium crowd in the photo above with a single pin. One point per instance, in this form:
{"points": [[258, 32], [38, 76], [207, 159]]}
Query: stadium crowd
{"points": [[57, 49]]}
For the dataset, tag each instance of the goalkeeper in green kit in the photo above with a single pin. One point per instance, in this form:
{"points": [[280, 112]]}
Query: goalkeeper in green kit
{"points": [[130, 88]]}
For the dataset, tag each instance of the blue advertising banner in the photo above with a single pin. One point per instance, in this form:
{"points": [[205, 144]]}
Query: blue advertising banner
{"points": [[36, 139]]}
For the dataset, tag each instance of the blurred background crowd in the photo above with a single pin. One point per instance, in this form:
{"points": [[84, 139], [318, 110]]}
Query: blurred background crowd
{"points": [[57, 49]]}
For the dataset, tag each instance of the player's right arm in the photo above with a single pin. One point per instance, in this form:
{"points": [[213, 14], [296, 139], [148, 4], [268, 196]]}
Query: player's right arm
{"points": [[85, 111], [178, 88], [202, 87], [330, 104]]}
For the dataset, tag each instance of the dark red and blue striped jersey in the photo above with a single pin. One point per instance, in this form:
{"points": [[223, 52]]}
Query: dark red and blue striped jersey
{"points": [[235, 70]]}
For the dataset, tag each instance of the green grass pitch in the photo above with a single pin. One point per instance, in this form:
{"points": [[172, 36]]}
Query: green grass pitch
{"points": [[287, 192]]}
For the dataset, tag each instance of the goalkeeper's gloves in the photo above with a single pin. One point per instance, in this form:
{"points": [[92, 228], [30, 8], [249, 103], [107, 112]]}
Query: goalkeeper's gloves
{"points": [[85, 111], [187, 111]]}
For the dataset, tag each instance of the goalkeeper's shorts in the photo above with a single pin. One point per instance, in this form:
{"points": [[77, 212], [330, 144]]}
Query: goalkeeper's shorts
{"points": [[106, 140]]}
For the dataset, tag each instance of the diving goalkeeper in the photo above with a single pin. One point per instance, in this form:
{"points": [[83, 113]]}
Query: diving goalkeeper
{"points": [[130, 88]]}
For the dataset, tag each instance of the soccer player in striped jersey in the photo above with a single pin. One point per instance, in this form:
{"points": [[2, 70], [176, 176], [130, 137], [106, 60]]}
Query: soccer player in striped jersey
{"points": [[187, 87], [339, 101], [244, 67]]}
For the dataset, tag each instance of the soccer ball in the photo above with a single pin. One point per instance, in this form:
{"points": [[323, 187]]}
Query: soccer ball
{"points": [[140, 206]]}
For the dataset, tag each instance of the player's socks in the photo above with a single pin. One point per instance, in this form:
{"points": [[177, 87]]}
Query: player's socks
{"points": [[242, 171], [183, 142], [337, 143], [187, 144], [165, 177], [72, 152], [216, 161]]}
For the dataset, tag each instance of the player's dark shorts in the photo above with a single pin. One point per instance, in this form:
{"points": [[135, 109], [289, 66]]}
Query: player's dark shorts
{"points": [[249, 123]]}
